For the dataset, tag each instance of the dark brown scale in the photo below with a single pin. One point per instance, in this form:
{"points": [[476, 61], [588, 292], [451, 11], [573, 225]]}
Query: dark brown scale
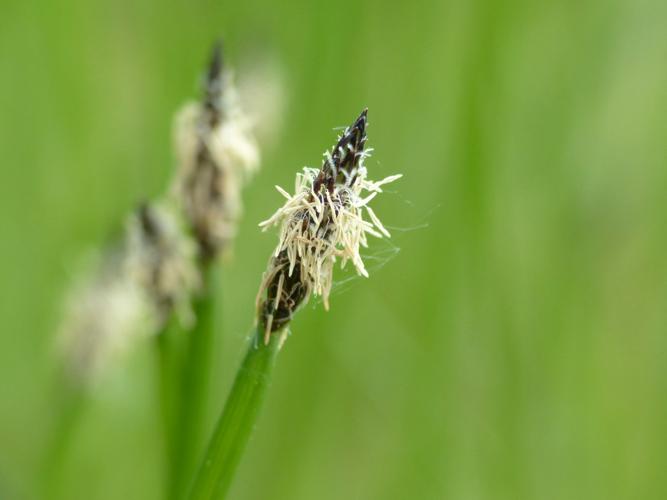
{"points": [[345, 157], [203, 189], [213, 87], [152, 234], [148, 223], [293, 294]]}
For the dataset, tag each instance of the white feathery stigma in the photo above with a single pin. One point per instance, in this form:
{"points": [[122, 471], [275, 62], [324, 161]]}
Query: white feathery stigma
{"points": [[328, 217]]}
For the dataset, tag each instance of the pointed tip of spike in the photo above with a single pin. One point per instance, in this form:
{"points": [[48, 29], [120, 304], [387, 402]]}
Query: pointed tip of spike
{"points": [[363, 117], [216, 63], [361, 122]]}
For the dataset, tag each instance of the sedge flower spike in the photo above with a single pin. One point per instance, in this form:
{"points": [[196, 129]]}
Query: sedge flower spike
{"points": [[324, 220], [216, 152], [129, 292]]}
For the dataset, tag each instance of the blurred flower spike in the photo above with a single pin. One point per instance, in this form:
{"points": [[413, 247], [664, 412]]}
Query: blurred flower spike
{"points": [[129, 292], [216, 152]]}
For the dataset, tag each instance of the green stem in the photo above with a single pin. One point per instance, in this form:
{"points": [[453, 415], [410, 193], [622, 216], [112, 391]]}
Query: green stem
{"points": [[237, 421], [190, 426], [68, 412], [168, 361]]}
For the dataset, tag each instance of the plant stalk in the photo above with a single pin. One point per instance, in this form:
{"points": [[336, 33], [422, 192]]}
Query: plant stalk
{"points": [[169, 360], [238, 418], [189, 431], [70, 408]]}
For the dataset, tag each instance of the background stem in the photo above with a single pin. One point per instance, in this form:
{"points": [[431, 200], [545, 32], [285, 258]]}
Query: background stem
{"points": [[68, 411], [190, 423], [169, 361], [237, 420]]}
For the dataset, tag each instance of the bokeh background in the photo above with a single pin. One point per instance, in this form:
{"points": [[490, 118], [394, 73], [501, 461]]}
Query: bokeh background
{"points": [[514, 347]]}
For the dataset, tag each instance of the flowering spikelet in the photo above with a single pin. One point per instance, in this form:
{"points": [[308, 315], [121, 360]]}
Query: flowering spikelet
{"points": [[129, 292], [215, 153], [322, 221]]}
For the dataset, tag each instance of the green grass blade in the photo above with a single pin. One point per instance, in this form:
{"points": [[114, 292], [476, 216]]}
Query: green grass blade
{"points": [[238, 418]]}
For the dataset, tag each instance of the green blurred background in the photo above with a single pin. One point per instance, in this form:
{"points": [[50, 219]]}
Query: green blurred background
{"points": [[515, 347]]}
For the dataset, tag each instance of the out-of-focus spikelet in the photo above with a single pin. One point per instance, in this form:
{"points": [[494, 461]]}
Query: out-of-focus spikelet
{"points": [[128, 292], [216, 153]]}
